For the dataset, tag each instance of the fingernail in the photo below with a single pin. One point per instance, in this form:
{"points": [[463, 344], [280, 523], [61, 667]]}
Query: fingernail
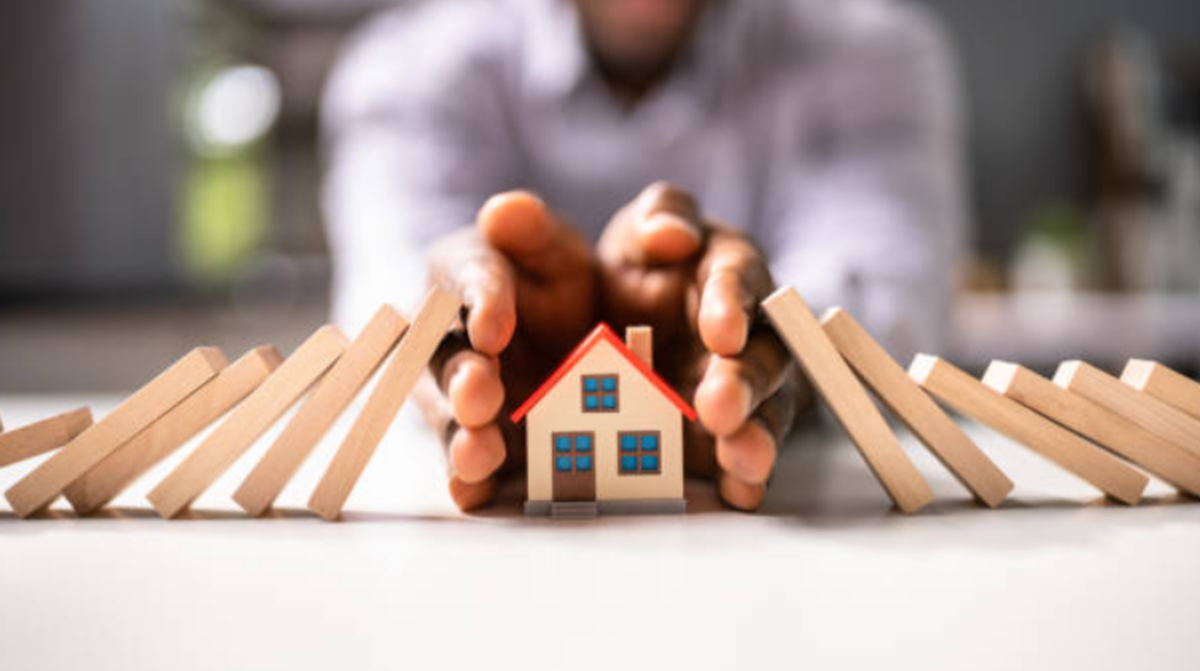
{"points": [[662, 221]]}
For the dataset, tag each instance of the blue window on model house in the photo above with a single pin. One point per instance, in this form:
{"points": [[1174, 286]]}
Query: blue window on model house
{"points": [[600, 393], [639, 453], [573, 452]]}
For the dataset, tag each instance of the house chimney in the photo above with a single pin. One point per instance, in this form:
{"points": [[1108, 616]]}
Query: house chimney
{"points": [[640, 341]]}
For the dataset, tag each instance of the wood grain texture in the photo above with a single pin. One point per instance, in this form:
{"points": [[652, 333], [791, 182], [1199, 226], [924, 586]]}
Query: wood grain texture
{"points": [[247, 422], [328, 401], [1075, 454], [1169, 462], [41, 437], [1155, 379], [166, 435], [832, 377], [1161, 419], [911, 405], [38, 489], [436, 314]]}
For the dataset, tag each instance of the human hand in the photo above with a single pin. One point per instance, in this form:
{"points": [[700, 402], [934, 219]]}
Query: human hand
{"points": [[699, 283], [527, 281]]}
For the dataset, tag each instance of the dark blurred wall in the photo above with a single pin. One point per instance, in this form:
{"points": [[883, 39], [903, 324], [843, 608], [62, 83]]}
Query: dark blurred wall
{"points": [[1023, 60], [86, 169]]}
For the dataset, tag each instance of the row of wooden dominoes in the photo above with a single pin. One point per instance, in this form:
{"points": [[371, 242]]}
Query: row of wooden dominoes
{"points": [[1086, 421], [98, 461], [1149, 418]]}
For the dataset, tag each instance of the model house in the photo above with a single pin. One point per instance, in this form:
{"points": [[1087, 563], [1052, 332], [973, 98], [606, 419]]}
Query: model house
{"points": [[605, 432]]}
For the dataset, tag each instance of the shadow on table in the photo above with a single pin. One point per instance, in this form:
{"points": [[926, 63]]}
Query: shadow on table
{"points": [[825, 487]]}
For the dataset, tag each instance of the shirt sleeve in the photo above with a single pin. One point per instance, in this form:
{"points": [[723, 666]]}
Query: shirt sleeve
{"points": [[865, 210], [415, 139]]}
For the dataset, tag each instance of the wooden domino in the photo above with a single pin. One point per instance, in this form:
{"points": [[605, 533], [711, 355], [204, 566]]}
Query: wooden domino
{"points": [[436, 314], [1167, 422], [42, 437], [912, 406], [247, 422], [1155, 379], [802, 334], [327, 402], [1169, 462], [972, 398], [162, 438], [38, 489]]}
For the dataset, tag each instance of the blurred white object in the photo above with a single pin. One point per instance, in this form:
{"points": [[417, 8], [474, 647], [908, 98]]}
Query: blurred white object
{"points": [[1041, 265], [233, 108]]}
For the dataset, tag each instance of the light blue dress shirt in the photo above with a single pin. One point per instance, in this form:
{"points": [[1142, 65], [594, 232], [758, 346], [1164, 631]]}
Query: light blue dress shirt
{"points": [[827, 130]]}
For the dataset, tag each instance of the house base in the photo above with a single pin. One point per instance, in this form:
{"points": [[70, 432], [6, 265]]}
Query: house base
{"points": [[574, 509]]}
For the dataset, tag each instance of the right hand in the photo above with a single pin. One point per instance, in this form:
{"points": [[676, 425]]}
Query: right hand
{"points": [[527, 280]]}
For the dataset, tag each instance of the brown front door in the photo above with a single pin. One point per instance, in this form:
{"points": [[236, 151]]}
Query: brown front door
{"points": [[573, 461]]}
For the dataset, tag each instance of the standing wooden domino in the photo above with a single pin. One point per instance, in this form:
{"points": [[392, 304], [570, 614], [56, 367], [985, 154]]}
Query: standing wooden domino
{"points": [[162, 438], [972, 398], [1170, 424], [912, 406], [1173, 464], [38, 489], [335, 391], [247, 422], [41, 437], [411, 356], [799, 329], [1155, 379]]}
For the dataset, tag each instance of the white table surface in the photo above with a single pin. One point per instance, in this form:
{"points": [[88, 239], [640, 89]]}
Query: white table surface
{"points": [[826, 576]]}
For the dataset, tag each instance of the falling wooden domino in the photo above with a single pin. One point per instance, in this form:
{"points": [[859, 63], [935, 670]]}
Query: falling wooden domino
{"points": [[1155, 379], [1170, 424], [247, 422], [38, 489], [1169, 462], [799, 329], [41, 437], [1075, 454], [411, 356], [912, 406], [327, 402], [162, 438]]}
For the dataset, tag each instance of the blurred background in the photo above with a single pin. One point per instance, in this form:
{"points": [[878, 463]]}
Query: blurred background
{"points": [[160, 172]]}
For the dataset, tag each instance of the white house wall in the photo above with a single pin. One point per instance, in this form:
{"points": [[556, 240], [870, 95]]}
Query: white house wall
{"points": [[642, 408]]}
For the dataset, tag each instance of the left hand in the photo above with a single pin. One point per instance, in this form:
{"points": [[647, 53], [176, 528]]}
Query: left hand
{"points": [[699, 283]]}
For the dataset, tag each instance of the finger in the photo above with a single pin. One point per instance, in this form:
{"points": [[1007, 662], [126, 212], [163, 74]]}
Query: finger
{"points": [[476, 454], [733, 387], [484, 280], [662, 226], [741, 495], [473, 385], [472, 495], [747, 457], [734, 279], [534, 238], [467, 382], [748, 454]]}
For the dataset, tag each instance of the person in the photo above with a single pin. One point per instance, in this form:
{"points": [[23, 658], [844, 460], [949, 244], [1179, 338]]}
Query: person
{"points": [[661, 162]]}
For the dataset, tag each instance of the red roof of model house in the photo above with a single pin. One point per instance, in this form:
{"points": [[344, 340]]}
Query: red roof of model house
{"points": [[602, 332]]}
